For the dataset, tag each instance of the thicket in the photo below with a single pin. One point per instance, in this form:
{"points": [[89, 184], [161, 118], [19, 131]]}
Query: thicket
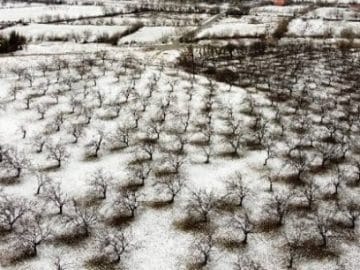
{"points": [[12, 43], [114, 39]]}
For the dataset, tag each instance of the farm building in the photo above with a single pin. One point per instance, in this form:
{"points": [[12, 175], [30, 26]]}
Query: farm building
{"points": [[355, 7], [280, 2]]}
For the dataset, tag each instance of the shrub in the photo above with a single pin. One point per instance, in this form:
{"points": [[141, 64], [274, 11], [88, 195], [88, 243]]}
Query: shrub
{"points": [[344, 45], [226, 75], [347, 33], [114, 38], [281, 29], [111, 39], [188, 37]]}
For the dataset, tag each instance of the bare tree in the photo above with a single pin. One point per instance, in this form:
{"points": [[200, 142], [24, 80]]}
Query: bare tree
{"points": [[55, 95], [76, 130], [18, 71], [183, 119], [245, 263], [171, 185], [310, 192], [43, 67], [323, 222], [136, 116], [100, 181], [121, 136], [243, 223], [138, 173], [39, 142], [351, 210], [42, 109], [201, 251], [337, 180], [201, 204], [327, 152], [29, 77], [57, 152], [236, 191], [269, 148], [260, 131], [14, 90], [128, 202], [34, 232], [169, 164], [94, 77], [153, 131], [13, 160], [206, 131], [271, 178], [59, 264], [94, 146], [68, 81], [74, 103], [42, 181], [28, 99], [207, 150], [149, 149], [293, 238], [12, 209], [181, 141], [300, 163], [54, 194], [279, 206], [102, 55], [235, 137], [87, 112], [83, 219], [113, 246], [58, 120], [356, 164], [23, 131], [100, 98]]}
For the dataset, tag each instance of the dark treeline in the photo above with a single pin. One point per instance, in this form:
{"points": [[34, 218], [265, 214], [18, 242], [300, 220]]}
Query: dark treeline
{"points": [[11, 43]]}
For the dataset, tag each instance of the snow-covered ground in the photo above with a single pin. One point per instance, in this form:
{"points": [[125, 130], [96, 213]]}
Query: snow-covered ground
{"points": [[131, 111], [80, 33], [162, 19], [158, 244]]}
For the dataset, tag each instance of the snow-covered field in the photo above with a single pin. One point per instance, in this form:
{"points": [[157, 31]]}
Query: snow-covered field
{"points": [[271, 11], [333, 14], [318, 27], [153, 231], [233, 27], [153, 153]]}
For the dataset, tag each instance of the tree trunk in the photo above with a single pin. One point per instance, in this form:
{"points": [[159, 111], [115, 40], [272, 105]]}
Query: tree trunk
{"points": [[245, 237], [324, 240], [18, 172], [34, 247]]}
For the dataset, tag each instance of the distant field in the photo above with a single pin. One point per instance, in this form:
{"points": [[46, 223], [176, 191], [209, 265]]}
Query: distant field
{"points": [[41, 13]]}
